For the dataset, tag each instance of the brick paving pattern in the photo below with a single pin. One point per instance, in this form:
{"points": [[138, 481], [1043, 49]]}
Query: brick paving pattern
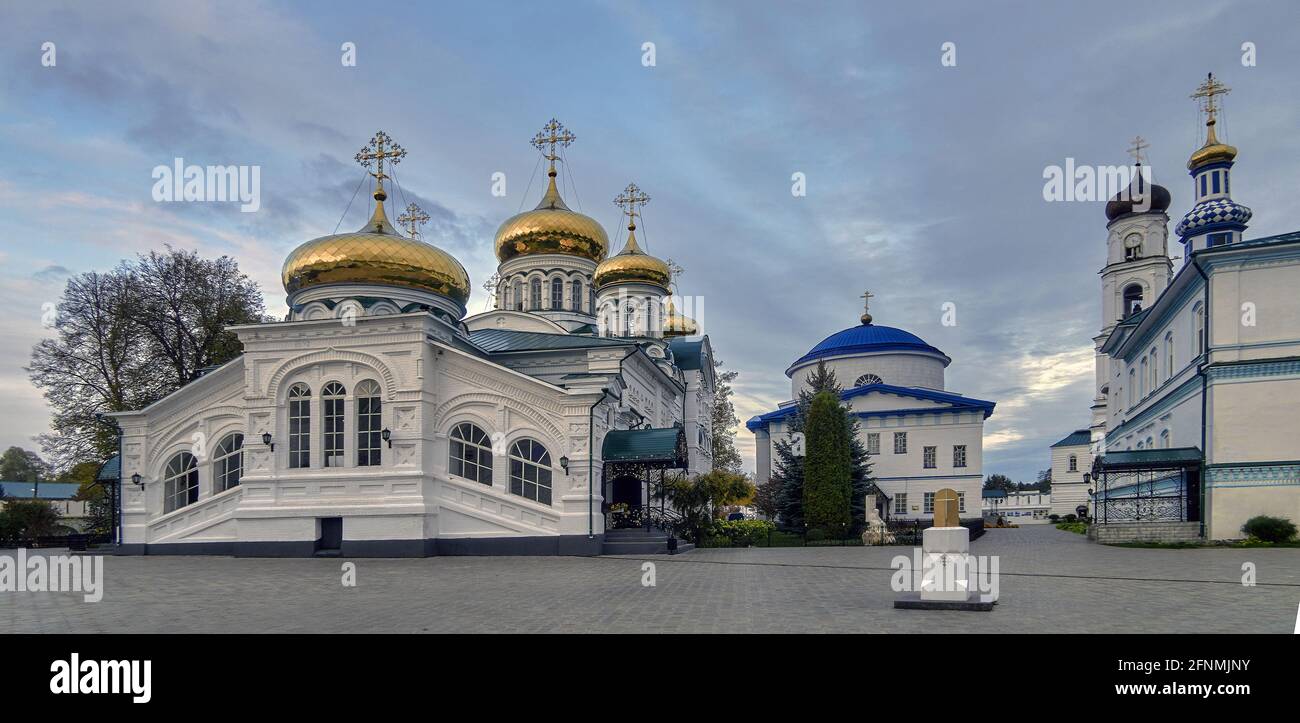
{"points": [[1051, 581]]}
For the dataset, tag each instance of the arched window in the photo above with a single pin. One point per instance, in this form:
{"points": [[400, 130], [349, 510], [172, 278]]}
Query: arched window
{"points": [[1142, 380], [517, 296], [629, 320], [1132, 386], [1074, 463], [228, 465], [557, 294], [1132, 299], [575, 295], [1155, 369], [866, 379], [299, 426], [369, 413], [332, 424], [1198, 325], [180, 482], [535, 294], [1150, 445], [1169, 355], [1164, 439], [530, 471], [470, 453]]}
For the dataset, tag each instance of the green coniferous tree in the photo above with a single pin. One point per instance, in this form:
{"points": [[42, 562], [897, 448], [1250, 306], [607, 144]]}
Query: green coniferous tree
{"points": [[827, 486]]}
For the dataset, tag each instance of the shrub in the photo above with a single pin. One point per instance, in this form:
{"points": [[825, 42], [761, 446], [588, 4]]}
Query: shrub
{"points": [[1269, 529], [1054, 518], [1071, 517], [743, 533]]}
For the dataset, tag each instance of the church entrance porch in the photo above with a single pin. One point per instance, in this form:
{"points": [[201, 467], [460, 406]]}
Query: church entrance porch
{"points": [[1147, 495], [638, 519]]}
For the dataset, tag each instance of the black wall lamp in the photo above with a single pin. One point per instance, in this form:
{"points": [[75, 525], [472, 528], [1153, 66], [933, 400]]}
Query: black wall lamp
{"points": [[564, 464], [266, 439], [387, 434], [137, 481]]}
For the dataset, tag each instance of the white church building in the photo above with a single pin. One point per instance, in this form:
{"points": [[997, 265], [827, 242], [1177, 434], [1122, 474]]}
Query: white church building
{"points": [[920, 438], [377, 420], [1194, 421]]}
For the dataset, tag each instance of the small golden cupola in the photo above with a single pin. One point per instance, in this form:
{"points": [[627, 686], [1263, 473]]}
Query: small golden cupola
{"points": [[552, 227], [377, 253], [632, 264], [677, 324]]}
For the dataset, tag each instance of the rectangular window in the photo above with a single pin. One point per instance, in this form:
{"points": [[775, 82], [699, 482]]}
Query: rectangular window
{"points": [[368, 432], [959, 455], [1202, 185], [930, 454], [873, 442], [557, 294], [1216, 181], [900, 503], [900, 442], [961, 501], [332, 431], [927, 504], [299, 433]]}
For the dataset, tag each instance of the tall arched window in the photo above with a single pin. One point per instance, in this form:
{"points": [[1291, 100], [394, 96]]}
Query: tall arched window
{"points": [[1132, 299], [1142, 380], [369, 414], [1074, 463], [1155, 369], [1198, 325], [517, 295], [1164, 439], [331, 397], [530, 471], [470, 453], [629, 320], [299, 426], [557, 294], [1169, 355], [535, 294], [575, 295], [180, 482], [228, 465], [1132, 386]]}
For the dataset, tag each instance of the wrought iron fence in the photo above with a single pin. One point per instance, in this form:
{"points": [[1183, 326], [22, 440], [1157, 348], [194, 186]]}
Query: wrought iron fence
{"points": [[1142, 495]]}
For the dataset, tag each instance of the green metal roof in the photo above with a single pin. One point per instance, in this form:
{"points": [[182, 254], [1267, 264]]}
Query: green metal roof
{"points": [[42, 491], [111, 470], [1152, 458], [687, 354], [644, 445], [1077, 437], [503, 340]]}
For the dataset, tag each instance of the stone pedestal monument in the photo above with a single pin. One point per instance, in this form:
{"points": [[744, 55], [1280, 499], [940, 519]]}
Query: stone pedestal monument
{"points": [[947, 570]]}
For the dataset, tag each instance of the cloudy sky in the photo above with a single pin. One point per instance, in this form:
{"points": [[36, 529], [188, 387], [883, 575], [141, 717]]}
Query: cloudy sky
{"points": [[924, 182]]}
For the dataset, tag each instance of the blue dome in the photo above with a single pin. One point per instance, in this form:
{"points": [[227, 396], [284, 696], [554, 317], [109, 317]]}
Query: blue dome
{"points": [[867, 339], [1218, 213]]}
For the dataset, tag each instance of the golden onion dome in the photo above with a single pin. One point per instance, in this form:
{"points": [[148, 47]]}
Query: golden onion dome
{"points": [[376, 254], [631, 264], [551, 228], [676, 324]]}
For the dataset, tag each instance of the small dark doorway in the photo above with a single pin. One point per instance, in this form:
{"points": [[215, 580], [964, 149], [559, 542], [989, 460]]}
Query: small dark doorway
{"points": [[331, 534], [627, 491]]}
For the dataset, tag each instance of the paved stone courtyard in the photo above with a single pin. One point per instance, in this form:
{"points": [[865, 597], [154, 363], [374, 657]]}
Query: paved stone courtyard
{"points": [[1051, 581]]}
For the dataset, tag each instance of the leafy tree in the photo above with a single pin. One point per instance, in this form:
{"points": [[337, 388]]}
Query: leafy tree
{"points": [[1000, 482], [21, 465], [827, 487], [99, 510], [28, 518], [725, 456], [1044, 483], [700, 499], [767, 498], [789, 466], [114, 328]]}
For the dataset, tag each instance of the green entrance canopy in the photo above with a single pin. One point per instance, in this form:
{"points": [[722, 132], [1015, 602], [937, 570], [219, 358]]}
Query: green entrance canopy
{"points": [[665, 447]]}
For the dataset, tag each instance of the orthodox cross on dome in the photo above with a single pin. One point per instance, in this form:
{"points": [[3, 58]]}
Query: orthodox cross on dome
{"points": [[866, 303], [674, 270], [1205, 94], [630, 200], [551, 135], [1135, 150], [380, 148], [413, 219]]}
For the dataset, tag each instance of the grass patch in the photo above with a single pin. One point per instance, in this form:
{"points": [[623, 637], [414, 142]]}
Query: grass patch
{"points": [[1079, 527], [1228, 544]]}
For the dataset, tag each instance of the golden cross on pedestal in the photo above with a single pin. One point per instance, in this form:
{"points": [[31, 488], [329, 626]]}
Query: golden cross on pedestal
{"points": [[630, 200], [866, 302], [1135, 150], [551, 135], [381, 147], [1207, 91], [413, 219]]}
